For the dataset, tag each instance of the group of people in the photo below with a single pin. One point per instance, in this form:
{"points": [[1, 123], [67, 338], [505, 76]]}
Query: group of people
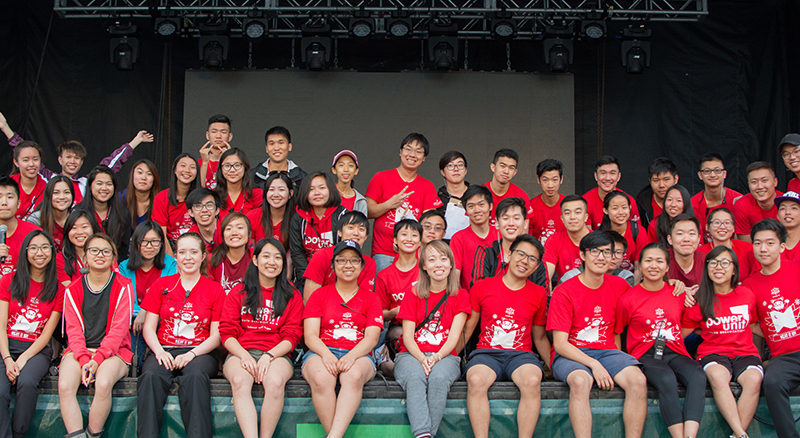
{"points": [[251, 269]]}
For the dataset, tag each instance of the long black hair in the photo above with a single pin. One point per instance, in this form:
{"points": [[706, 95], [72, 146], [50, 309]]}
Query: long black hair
{"points": [[130, 196], [67, 247], [135, 259], [220, 251], [605, 225], [247, 177], [118, 215], [172, 193], [301, 195], [664, 222], [706, 297], [46, 219], [288, 212], [21, 282], [282, 293]]}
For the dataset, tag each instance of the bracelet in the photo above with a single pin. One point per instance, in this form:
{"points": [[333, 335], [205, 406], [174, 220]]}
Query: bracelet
{"points": [[7, 357], [193, 353], [437, 355], [271, 356]]}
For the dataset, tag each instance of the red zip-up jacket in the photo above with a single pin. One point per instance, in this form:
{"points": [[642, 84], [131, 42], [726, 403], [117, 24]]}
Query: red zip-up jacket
{"points": [[265, 332]]}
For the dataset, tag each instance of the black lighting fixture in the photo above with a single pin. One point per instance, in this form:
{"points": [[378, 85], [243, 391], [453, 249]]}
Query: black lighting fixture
{"points": [[635, 49], [398, 25], [443, 44], [255, 25], [558, 50], [362, 25], [124, 46], [315, 46], [503, 25], [593, 26], [213, 45], [168, 24]]}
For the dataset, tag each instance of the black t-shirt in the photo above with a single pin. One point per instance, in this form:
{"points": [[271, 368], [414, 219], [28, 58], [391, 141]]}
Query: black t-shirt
{"points": [[95, 312]]}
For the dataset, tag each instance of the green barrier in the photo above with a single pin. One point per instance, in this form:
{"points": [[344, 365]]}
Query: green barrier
{"points": [[387, 418]]}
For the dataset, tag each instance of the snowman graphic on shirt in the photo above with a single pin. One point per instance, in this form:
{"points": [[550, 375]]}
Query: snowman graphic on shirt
{"points": [[26, 320], [185, 323], [185, 224], [548, 231], [405, 211], [783, 315], [345, 330], [432, 333], [504, 332], [591, 332], [662, 327]]}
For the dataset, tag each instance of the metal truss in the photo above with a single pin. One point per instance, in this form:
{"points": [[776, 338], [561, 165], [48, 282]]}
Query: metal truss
{"points": [[473, 17]]}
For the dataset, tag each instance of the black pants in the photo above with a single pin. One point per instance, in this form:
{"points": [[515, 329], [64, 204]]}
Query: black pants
{"points": [[781, 376], [664, 375], [27, 389], [194, 394]]}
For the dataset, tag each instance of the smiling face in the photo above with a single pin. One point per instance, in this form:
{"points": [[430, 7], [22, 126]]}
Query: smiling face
{"points": [[218, 133], [437, 265], [550, 183], [354, 232], [619, 210], [791, 157], [512, 223], [79, 232], [721, 226], [712, 173], [28, 162], [347, 265], [607, 177], [407, 240], [62, 196], [186, 170], [345, 169], [654, 264], [673, 203], [143, 178], [318, 193], [455, 171], [412, 155], [99, 255], [720, 274], [789, 214], [767, 247], [70, 163], [278, 148], [504, 170], [269, 262], [40, 252], [598, 260], [684, 238], [236, 233], [278, 193], [522, 263], [232, 169], [762, 184], [433, 229], [574, 215], [205, 212], [478, 210], [150, 245], [189, 255], [102, 187]]}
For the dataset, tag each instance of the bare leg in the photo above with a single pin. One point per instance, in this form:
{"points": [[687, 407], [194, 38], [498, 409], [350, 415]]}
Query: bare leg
{"points": [[632, 381], [242, 385], [479, 379], [274, 388], [352, 388], [748, 400], [719, 378], [676, 430], [528, 379], [323, 390], [108, 374], [580, 410], [690, 428], [69, 379]]}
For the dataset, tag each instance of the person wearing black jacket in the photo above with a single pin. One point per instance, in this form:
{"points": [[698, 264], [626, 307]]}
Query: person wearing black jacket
{"points": [[278, 145], [453, 167], [662, 174]]}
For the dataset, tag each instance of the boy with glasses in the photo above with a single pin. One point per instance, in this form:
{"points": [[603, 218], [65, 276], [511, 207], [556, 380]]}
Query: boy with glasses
{"points": [[714, 194], [789, 217], [204, 205], [789, 150], [434, 226], [453, 167]]}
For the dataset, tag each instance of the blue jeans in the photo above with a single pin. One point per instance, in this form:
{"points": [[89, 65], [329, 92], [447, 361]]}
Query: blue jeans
{"points": [[382, 261]]}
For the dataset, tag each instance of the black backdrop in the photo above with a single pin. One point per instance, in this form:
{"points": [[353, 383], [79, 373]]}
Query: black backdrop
{"points": [[730, 84]]}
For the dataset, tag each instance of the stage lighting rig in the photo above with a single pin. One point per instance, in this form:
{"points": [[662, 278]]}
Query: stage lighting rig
{"points": [[593, 26], [168, 24], [558, 50], [213, 45], [398, 25], [124, 46], [443, 44], [315, 46], [503, 25], [635, 49], [255, 25], [362, 25]]}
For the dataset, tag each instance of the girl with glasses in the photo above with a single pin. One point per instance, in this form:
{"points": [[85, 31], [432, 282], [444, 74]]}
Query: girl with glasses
{"points": [[721, 226], [235, 184]]}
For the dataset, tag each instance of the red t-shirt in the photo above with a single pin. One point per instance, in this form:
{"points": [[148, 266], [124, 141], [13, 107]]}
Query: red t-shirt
{"points": [[29, 201], [393, 284], [258, 231], [211, 173], [791, 254], [342, 324], [546, 220], [62, 273], [265, 332], [58, 237], [656, 208], [692, 277], [729, 333], [747, 212], [465, 245], [595, 208], [145, 279], [634, 246], [794, 185], [508, 316], [229, 274], [652, 231], [778, 307], [588, 315], [184, 321], [317, 232], [514, 191], [431, 337], [702, 210], [26, 321], [175, 218], [561, 252], [349, 203], [209, 245], [319, 270], [388, 183], [14, 242], [744, 252], [243, 204], [649, 314]]}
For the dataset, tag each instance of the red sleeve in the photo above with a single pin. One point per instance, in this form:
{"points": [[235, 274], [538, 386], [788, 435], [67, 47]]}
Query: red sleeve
{"points": [[431, 198], [230, 323], [374, 312], [408, 308], [58, 303], [314, 305], [463, 304], [561, 311], [5, 288], [62, 273], [316, 269], [74, 326], [622, 317], [161, 209], [540, 317], [551, 249], [375, 188], [691, 317], [634, 209], [152, 301], [740, 216], [475, 296], [120, 322], [292, 328], [652, 234], [219, 299], [457, 245], [641, 242], [383, 294], [368, 275]]}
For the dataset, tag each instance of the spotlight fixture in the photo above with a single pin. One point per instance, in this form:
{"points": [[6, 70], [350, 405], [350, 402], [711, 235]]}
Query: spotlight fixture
{"points": [[124, 46], [255, 25], [443, 45], [213, 45], [398, 25], [593, 27], [635, 49], [361, 25], [558, 48], [503, 25], [168, 24], [315, 46]]}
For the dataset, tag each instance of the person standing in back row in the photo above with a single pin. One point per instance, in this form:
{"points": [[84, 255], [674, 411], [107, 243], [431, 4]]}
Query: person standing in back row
{"points": [[279, 144], [607, 174], [504, 168]]}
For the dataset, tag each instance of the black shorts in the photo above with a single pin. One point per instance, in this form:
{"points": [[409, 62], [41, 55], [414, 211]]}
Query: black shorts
{"points": [[504, 362], [735, 366]]}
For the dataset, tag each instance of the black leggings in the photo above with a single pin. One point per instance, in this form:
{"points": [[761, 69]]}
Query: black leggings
{"points": [[782, 376], [664, 375], [27, 389]]}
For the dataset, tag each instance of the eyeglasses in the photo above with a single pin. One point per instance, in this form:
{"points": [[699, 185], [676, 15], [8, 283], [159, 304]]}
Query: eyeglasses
{"points": [[343, 262], [210, 206], [596, 252], [153, 243], [409, 150], [45, 249], [94, 251], [523, 255], [718, 223], [618, 253], [454, 166], [794, 153], [716, 171], [725, 263], [228, 166], [432, 227]]}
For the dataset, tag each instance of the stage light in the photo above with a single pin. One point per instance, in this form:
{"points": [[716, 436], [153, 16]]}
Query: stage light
{"points": [[503, 25], [213, 45], [315, 46], [361, 25], [168, 24], [558, 49], [124, 46], [635, 50], [255, 25], [398, 25], [443, 45], [593, 26]]}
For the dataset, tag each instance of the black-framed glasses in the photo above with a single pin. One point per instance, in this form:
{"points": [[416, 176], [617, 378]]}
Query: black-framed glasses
{"points": [[793, 153], [152, 243], [228, 166], [716, 171], [454, 166], [210, 206], [597, 251], [33, 249], [523, 255], [343, 262], [725, 263], [277, 172], [94, 251]]}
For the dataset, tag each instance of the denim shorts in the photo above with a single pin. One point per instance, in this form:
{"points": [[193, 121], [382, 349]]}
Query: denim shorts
{"points": [[504, 362], [339, 353], [613, 361]]}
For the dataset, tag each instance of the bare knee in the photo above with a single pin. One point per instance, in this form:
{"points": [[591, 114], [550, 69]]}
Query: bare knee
{"points": [[480, 379], [580, 383], [240, 382], [274, 387]]}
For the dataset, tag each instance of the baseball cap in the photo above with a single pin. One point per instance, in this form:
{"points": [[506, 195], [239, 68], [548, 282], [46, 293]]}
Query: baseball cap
{"points": [[788, 196], [344, 152], [792, 139], [347, 244]]}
